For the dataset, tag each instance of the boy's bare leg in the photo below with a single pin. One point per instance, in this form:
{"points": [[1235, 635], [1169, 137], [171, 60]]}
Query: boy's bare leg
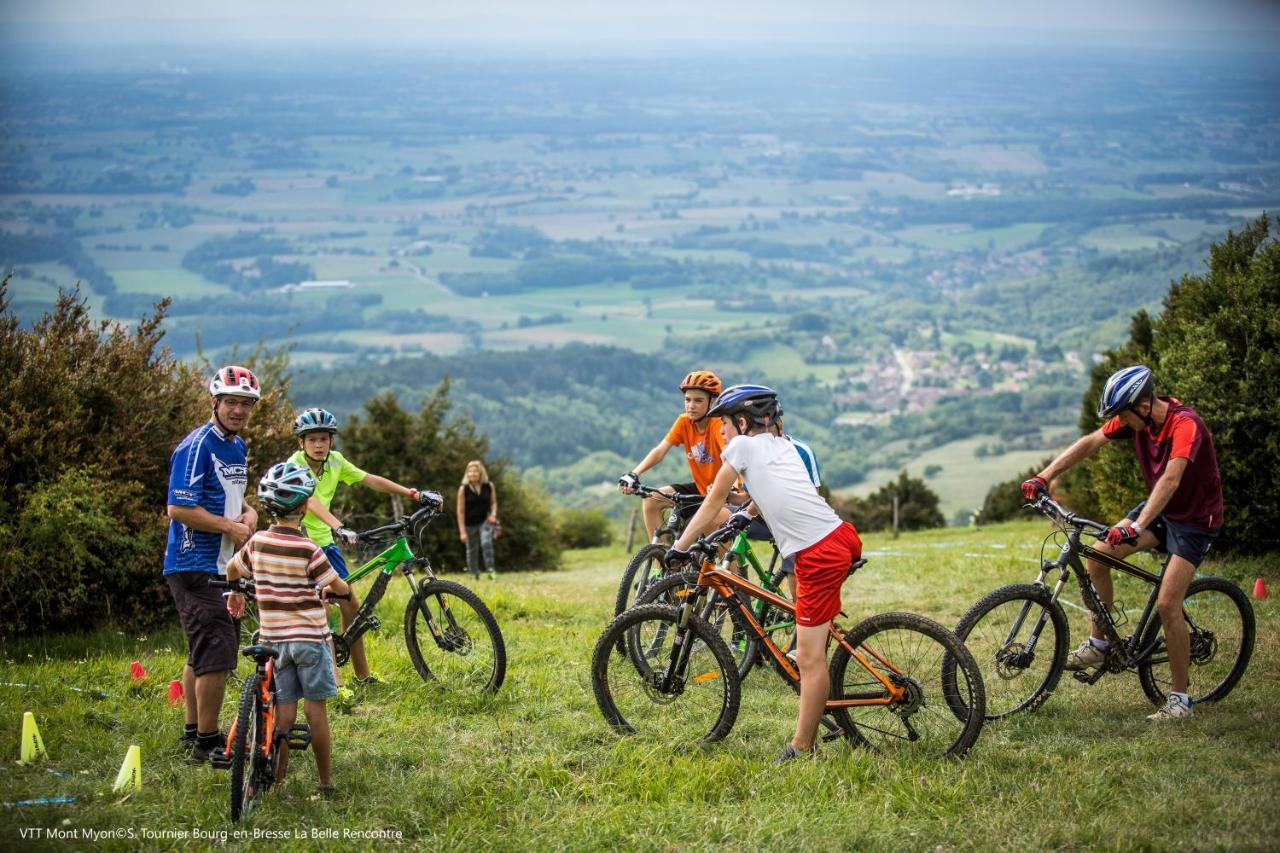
{"points": [[811, 656], [321, 739], [286, 715], [652, 509]]}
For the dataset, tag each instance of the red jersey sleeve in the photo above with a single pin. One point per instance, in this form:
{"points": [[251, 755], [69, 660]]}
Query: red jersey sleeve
{"points": [[1115, 429], [1186, 439]]}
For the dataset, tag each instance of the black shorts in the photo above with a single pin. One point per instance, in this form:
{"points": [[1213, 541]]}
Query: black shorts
{"points": [[687, 512], [1175, 537], [211, 632]]}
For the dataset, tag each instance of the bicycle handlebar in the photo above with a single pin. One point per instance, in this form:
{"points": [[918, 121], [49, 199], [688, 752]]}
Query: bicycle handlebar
{"points": [[1057, 512], [400, 525], [677, 498], [706, 545], [240, 585]]}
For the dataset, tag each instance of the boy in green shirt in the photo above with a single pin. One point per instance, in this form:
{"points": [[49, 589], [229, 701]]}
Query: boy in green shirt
{"points": [[315, 429]]}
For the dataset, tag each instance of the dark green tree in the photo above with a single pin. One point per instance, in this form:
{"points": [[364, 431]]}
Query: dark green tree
{"points": [[917, 506], [431, 450]]}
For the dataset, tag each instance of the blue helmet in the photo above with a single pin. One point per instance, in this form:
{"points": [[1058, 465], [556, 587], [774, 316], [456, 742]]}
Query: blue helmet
{"points": [[285, 487], [315, 420], [758, 402], [1124, 389]]}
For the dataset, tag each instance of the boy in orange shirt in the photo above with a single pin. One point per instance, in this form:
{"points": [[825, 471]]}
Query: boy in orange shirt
{"points": [[698, 434]]}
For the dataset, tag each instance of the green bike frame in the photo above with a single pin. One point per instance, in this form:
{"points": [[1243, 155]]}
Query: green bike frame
{"points": [[779, 620]]}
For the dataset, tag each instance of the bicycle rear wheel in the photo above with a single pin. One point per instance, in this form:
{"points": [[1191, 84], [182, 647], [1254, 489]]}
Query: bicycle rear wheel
{"points": [[1019, 637], [246, 787], [1221, 623], [908, 651], [453, 639], [699, 701], [723, 617]]}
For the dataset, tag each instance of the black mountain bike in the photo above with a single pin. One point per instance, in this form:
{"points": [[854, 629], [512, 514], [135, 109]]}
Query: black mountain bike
{"points": [[1019, 634], [645, 566]]}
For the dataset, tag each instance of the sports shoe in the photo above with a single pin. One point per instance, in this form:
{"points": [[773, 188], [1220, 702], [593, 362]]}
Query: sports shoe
{"points": [[1174, 709], [791, 754], [213, 755], [187, 741], [346, 697], [370, 680], [493, 576], [1088, 655]]}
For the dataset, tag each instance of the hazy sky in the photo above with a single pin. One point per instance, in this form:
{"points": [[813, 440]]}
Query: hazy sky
{"points": [[569, 20]]}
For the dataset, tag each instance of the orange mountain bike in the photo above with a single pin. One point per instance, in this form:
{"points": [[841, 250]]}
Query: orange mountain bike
{"points": [[900, 683]]}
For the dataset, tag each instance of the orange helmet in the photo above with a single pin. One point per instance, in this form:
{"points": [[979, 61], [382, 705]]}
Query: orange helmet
{"points": [[703, 380]]}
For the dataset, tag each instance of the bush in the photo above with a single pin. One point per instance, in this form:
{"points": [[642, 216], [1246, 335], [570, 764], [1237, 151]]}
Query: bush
{"points": [[584, 528]]}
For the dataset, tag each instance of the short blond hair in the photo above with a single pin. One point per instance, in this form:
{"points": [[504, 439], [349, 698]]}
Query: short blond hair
{"points": [[484, 475]]}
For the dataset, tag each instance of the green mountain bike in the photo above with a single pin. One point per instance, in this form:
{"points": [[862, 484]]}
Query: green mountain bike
{"points": [[452, 637]]}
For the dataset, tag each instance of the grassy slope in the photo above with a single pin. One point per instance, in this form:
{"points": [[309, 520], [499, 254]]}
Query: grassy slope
{"points": [[537, 765]]}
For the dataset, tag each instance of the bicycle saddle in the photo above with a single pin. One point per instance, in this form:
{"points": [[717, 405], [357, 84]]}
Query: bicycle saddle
{"points": [[258, 653]]}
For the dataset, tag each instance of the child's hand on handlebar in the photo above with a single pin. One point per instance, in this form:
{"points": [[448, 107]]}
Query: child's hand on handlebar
{"points": [[235, 605]]}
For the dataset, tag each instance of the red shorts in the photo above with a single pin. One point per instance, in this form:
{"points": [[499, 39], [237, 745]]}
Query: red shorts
{"points": [[820, 570]]}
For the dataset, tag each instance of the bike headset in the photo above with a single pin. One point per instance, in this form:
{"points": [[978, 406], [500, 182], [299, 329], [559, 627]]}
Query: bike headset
{"points": [[232, 380], [316, 419], [702, 380], [1125, 389]]}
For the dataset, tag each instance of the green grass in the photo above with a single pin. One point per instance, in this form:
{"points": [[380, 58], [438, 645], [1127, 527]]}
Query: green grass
{"points": [[537, 767]]}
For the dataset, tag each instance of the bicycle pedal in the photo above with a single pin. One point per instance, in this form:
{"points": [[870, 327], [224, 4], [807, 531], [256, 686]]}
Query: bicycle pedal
{"points": [[220, 759], [1089, 678], [299, 737]]}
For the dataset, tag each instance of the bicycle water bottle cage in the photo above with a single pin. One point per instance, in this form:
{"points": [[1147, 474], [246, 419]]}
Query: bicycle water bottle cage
{"points": [[855, 565]]}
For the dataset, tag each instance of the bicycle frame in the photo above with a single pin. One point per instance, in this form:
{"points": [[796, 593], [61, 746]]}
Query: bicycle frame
{"points": [[726, 584], [769, 580], [266, 686], [1069, 562]]}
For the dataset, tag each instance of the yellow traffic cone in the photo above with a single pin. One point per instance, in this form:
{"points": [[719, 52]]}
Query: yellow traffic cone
{"points": [[32, 746], [129, 779]]}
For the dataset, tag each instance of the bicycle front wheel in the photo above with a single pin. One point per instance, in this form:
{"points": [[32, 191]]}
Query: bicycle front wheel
{"points": [[698, 699], [910, 705], [246, 787], [1220, 621], [1019, 637], [453, 639], [723, 617]]}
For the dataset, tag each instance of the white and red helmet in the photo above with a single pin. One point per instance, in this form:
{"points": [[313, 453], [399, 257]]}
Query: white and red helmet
{"points": [[234, 379]]}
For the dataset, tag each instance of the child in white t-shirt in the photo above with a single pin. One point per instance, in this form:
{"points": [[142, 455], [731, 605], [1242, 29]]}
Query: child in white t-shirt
{"points": [[803, 526]]}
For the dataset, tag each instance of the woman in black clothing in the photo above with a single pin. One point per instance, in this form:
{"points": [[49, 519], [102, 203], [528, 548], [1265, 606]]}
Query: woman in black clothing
{"points": [[477, 515]]}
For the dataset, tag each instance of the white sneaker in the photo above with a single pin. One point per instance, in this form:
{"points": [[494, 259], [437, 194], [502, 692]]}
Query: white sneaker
{"points": [[1174, 709], [1088, 655]]}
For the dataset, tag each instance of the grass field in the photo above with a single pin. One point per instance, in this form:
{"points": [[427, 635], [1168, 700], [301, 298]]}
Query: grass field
{"points": [[536, 767]]}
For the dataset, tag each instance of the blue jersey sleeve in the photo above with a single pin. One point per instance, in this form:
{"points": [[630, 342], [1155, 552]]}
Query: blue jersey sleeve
{"points": [[186, 473]]}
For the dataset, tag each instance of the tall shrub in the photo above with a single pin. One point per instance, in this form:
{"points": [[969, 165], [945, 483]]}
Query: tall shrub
{"points": [[431, 450]]}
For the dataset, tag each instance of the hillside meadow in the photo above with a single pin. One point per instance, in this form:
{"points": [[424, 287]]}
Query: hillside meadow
{"points": [[536, 766]]}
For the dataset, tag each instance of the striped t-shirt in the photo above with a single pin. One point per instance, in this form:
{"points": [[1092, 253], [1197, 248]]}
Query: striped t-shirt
{"points": [[288, 570]]}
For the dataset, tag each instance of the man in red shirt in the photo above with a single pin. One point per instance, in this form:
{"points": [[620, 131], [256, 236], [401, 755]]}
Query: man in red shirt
{"points": [[1182, 515]]}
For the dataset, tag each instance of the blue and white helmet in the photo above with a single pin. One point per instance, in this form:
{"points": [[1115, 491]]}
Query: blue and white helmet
{"points": [[285, 487], [1124, 389], [757, 402], [315, 420]]}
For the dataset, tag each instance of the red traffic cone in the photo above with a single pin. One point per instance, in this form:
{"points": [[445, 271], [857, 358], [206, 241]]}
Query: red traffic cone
{"points": [[175, 691], [1260, 588], [136, 672]]}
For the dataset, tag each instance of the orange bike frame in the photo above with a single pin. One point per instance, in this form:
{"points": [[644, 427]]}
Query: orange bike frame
{"points": [[725, 583]]}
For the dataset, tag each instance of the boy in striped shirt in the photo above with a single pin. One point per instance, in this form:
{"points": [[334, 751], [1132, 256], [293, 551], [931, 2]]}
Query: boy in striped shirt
{"points": [[290, 574]]}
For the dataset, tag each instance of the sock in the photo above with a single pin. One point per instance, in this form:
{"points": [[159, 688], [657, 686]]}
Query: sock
{"points": [[189, 731], [207, 741], [1184, 698], [1100, 645]]}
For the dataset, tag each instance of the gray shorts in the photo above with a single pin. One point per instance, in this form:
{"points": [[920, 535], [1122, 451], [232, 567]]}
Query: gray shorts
{"points": [[304, 671]]}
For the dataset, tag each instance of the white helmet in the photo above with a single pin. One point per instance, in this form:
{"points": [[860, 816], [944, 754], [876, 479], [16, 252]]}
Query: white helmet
{"points": [[234, 379]]}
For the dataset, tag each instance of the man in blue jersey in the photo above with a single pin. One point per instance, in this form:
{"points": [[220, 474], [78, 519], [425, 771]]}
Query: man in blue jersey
{"points": [[208, 522]]}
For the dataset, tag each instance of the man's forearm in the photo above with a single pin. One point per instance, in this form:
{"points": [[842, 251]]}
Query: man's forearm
{"points": [[198, 518], [1083, 447]]}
